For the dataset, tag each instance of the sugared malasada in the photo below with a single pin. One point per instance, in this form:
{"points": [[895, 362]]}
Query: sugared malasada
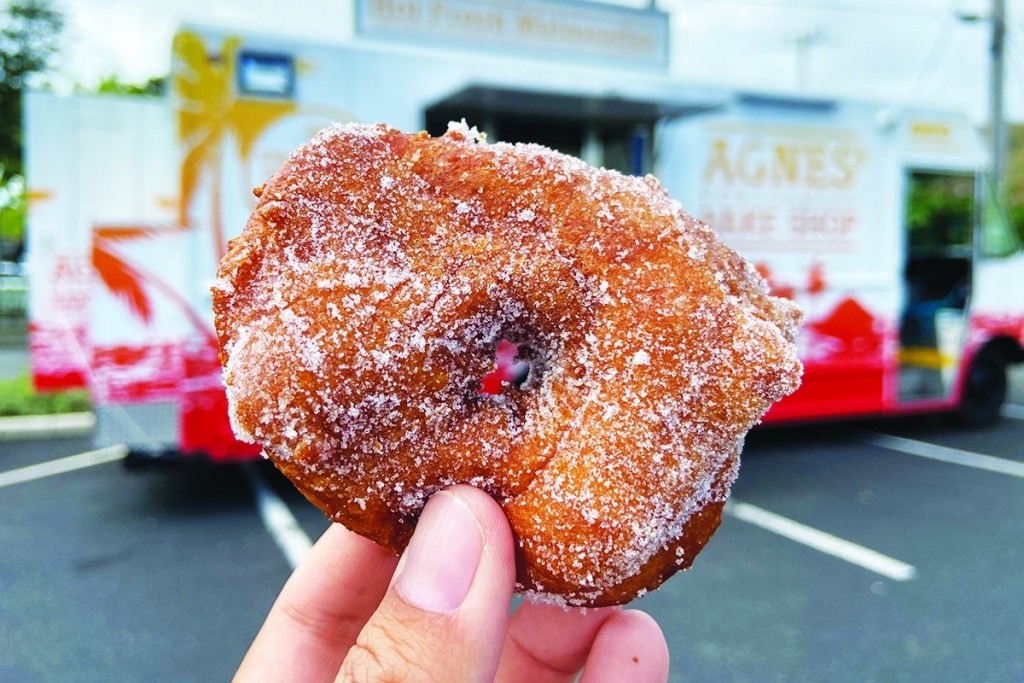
{"points": [[363, 304]]}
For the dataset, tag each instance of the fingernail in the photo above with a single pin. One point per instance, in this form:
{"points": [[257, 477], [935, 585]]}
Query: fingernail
{"points": [[439, 564]]}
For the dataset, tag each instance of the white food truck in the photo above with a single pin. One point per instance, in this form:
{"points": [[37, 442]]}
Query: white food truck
{"points": [[869, 216]]}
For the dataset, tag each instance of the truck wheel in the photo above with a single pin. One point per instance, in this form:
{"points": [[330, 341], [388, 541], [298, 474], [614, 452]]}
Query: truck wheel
{"points": [[984, 389], [140, 459]]}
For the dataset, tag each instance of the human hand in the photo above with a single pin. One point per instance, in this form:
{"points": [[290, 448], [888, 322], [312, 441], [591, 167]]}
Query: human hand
{"points": [[354, 612]]}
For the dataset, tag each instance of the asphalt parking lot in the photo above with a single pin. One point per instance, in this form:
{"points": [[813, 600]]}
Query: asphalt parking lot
{"points": [[847, 555]]}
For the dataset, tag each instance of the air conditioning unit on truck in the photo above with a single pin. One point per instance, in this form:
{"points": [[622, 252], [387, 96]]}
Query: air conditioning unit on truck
{"points": [[133, 201]]}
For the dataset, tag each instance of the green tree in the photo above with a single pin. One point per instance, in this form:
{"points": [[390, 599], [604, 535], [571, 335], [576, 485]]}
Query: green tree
{"points": [[113, 85], [13, 208], [939, 210], [29, 39], [1015, 178]]}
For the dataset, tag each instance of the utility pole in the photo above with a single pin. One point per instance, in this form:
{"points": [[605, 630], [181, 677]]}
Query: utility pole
{"points": [[996, 78]]}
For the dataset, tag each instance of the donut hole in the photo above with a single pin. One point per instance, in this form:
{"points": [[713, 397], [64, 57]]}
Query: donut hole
{"points": [[512, 365]]}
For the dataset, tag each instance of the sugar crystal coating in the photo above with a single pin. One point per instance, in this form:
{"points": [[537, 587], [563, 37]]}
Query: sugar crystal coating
{"points": [[364, 301]]}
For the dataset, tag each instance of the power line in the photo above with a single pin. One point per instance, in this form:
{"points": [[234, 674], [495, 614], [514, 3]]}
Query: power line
{"points": [[935, 50]]}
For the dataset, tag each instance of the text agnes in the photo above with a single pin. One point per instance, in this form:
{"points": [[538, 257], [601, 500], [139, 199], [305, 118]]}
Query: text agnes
{"points": [[758, 162]]}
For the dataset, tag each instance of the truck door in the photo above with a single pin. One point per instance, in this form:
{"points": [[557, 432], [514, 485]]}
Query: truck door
{"points": [[940, 212]]}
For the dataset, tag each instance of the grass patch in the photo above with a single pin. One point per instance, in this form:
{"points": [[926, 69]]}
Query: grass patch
{"points": [[18, 397]]}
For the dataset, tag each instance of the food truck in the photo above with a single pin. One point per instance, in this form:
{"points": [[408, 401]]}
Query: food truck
{"points": [[869, 216]]}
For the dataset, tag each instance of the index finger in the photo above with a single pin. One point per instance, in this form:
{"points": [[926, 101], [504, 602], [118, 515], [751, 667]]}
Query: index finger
{"points": [[320, 610]]}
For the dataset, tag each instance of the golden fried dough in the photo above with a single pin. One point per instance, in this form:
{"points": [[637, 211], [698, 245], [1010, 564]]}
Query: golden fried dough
{"points": [[363, 303]]}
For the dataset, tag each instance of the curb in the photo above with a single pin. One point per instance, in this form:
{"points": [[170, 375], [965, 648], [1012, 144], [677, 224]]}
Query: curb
{"points": [[46, 426]]}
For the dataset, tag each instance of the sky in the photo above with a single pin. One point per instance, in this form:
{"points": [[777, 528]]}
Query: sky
{"points": [[888, 51]]}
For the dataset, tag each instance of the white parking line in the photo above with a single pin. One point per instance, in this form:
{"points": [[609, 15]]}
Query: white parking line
{"points": [[62, 465], [822, 541], [1013, 411], [945, 454], [278, 520]]}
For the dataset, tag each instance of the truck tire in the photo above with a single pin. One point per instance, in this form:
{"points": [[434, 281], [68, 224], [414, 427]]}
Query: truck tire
{"points": [[984, 389]]}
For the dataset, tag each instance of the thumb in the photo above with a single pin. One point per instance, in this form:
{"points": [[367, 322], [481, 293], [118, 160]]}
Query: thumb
{"points": [[446, 612]]}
